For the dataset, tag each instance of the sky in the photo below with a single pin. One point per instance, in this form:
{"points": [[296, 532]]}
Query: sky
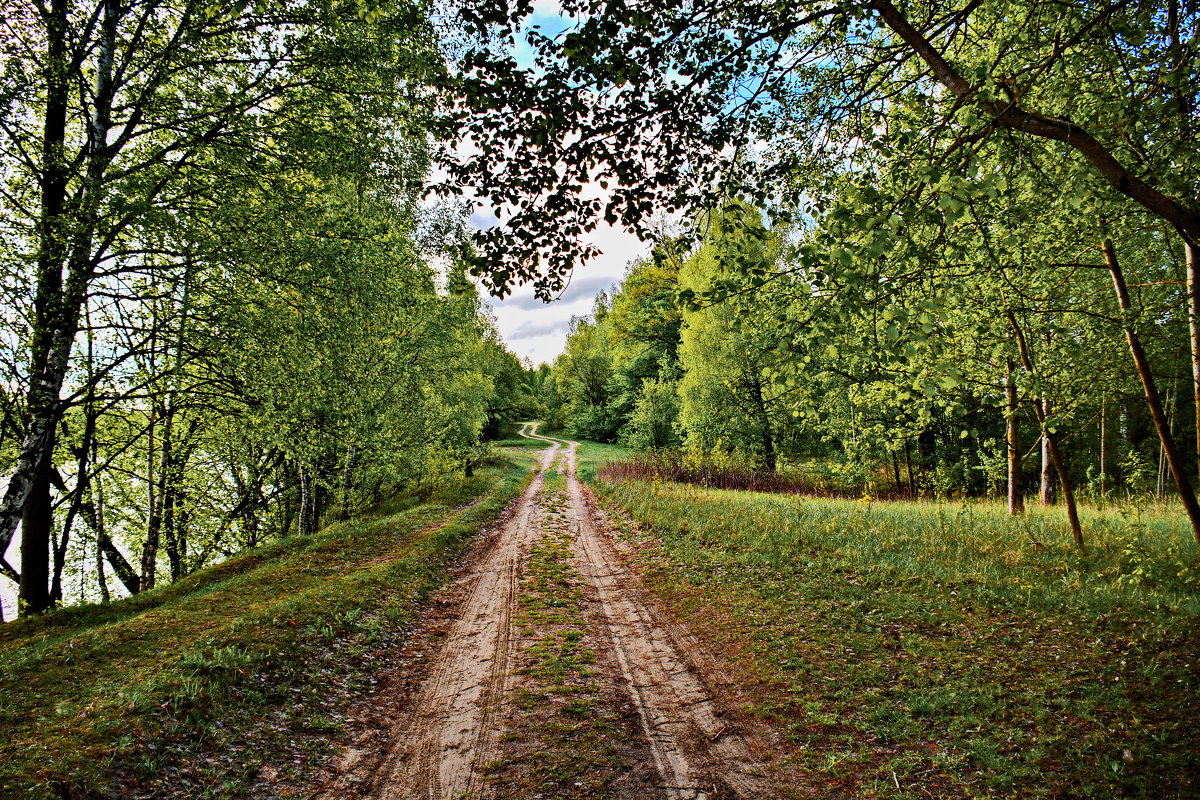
{"points": [[538, 331]]}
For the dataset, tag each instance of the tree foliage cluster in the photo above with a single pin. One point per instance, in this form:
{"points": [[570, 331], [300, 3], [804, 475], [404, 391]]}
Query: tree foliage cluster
{"points": [[900, 390], [226, 315], [929, 236]]}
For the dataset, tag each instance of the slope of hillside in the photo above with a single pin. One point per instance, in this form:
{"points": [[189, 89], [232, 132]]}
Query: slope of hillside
{"points": [[234, 676]]}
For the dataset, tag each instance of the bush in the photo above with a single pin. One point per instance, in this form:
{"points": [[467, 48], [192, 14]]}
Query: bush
{"points": [[597, 423], [725, 471]]}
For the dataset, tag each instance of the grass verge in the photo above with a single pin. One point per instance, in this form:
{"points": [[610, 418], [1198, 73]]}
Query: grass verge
{"points": [[504, 445], [235, 675], [914, 649], [591, 457]]}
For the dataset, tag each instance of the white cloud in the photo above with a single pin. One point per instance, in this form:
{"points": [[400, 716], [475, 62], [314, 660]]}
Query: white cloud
{"points": [[549, 8], [483, 219], [532, 330], [536, 330]]}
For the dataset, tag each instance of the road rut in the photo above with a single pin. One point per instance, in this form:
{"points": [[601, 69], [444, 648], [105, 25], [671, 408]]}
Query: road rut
{"points": [[450, 734]]}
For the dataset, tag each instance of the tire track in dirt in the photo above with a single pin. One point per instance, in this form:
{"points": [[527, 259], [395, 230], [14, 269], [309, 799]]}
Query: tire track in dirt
{"points": [[699, 755], [451, 727], [442, 741], [570, 730]]}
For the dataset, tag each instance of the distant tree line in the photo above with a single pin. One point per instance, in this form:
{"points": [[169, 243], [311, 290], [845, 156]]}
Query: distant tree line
{"points": [[950, 372]]}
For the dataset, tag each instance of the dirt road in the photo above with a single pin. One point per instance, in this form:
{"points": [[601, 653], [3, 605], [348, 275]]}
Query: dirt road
{"points": [[555, 677]]}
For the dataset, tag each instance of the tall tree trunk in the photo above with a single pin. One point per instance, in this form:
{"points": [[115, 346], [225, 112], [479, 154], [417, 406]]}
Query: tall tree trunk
{"points": [[320, 503], [1173, 415], [78, 497], [1046, 482], [101, 578], [35, 546], [59, 550], [99, 529], [175, 551], [250, 523], [181, 522], [912, 481], [175, 456], [1142, 364], [1160, 486], [149, 561], [1103, 453], [287, 499], [27, 498], [168, 485], [1039, 409], [164, 500], [57, 307], [93, 514], [1046, 479], [251, 500], [927, 458], [1126, 445], [348, 478], [896, 473], [767, 440], [125, 572], [1193, 289], [92, 504], [1016, 500], [305, 512]]}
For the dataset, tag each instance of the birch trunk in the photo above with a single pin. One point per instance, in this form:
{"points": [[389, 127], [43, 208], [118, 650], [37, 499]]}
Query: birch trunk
{"points": [[1103, 453], [1046, 484], [57, 305], [1016, 500], [1153, 400], [1193, 289]]}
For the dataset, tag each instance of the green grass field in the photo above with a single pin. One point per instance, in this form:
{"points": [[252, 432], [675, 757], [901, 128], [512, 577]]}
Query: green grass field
{"points": [[922, 649], [191, 689], [518, 443], [591, 457]]}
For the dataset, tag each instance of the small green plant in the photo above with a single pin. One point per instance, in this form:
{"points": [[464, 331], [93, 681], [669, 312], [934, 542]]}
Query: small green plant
{"points": [[1139, 479]]}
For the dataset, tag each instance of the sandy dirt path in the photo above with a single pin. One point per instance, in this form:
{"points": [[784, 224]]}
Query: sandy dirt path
{"points": [[698, 753], [438, 745], [447, 737]]}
